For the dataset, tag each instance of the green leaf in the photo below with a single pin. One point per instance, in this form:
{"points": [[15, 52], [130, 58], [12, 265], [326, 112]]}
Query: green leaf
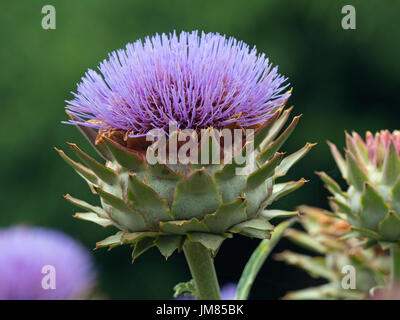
{"points": [[84, 172], [183, 226], [360, 146], [227, 215], [257, 259], [352, 148], [125, 157], [315, 266], [211, 241], [104, 173], [121, 213], [257, 228], [363, 232], [196, 196], [141, 247], [342, 207], [395, 197], [185, 288], [86, 206], [276, 127], [271, 214], [282, 189], [292, 159], [263, 131], [230, 185], [277, 144], [391, 166], [111, 241], [168, 244], [389, 227], [373, 208], [356, 173], [147, 202], [341, 163], [91, 136], [163, 181], [306, 241], [92, 217], [266, 171], [134, 237], [329, 291], [330, 184], [257, 197]]}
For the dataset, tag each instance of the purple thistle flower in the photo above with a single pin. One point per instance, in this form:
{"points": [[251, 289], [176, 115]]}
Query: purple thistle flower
{"points": [[197, 81], [25, 251]]}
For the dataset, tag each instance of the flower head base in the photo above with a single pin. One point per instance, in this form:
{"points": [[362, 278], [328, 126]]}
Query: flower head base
{"points": [[25, 254], [372, 170], [199, 81]]}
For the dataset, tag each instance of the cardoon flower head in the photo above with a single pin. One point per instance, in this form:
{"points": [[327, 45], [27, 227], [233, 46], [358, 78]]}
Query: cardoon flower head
{"points": [[196, 80], [371, 167], [25, 253], [199, 82]]}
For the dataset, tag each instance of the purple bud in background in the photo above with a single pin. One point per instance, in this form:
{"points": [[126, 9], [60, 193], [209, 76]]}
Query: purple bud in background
{"points": [[42, 264], [228, 292]]}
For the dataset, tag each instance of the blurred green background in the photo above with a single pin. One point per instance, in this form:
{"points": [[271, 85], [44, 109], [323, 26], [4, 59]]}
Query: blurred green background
{"points": [[342, 80]]}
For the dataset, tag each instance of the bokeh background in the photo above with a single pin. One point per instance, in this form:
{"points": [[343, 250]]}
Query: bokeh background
{"points": [[342, 80]]}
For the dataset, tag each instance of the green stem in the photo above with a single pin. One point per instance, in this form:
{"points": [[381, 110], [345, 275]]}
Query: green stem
{"points": [[201, 267], [395, 271]]}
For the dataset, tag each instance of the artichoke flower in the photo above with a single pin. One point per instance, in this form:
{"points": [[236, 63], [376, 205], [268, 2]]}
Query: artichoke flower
{"points": [[194, 84], [371, 168], [323, 236]]}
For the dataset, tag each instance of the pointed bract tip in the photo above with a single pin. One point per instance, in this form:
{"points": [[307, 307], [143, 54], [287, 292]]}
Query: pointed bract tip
{"points": [[289, 109]]}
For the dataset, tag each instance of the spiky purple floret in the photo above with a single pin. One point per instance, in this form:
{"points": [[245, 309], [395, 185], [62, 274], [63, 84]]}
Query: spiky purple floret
{"points": [[194, 80], [25, 251]]}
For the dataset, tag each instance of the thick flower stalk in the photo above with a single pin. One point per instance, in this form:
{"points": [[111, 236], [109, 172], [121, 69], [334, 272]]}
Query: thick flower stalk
{"points": [[371, 204], [333, 253], [195, 84], [28, 255]]}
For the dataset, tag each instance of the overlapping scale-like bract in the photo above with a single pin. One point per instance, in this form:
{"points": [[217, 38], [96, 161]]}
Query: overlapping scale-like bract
{"points": [[163, 205], [371, 167], [334, 256]]}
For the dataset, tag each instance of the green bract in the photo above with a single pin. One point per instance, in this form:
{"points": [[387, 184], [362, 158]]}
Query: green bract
{"points": [[164, 205], [332, 256], [372, 201]]}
